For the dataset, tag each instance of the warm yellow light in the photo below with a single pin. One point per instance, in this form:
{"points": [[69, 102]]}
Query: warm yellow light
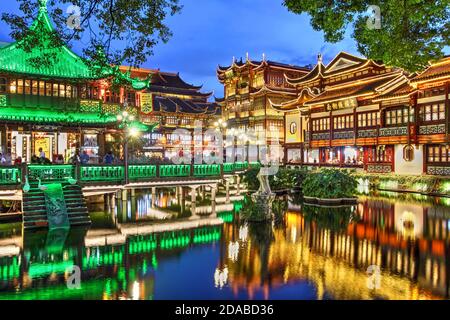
{"points": [[125, 114], [133, 132], [119, 117]]}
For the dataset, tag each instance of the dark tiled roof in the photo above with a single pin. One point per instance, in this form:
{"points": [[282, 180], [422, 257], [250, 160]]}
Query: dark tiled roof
{"points": [[402, 90], [174, 90], [173, 105], [437, 70], [240, 63], [173, 80], [311, 75], [351, 91]]}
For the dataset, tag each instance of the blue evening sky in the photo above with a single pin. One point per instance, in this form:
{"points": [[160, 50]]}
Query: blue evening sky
{"points": [[210, 32]]}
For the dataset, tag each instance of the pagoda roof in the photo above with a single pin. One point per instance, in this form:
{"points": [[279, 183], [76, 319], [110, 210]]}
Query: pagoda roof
{"points": [[304, 96], [168, 79], [260, 63], [437, 70], [342, 63], [366, 87], [180, 91], [67, 65], [176, 105], [403, 90]]}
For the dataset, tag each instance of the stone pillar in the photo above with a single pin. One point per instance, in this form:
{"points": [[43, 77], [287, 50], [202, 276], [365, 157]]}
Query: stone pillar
{"points": [[193, 202], [106, 200], [153, 196], [213, 201], [113, 201], [133, 193], [124, 194]]}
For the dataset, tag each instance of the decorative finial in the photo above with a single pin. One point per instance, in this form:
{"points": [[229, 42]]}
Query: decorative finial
{"points": [[246, 56], [42, 4], [234, 59], [319, 58], [264, 57]]}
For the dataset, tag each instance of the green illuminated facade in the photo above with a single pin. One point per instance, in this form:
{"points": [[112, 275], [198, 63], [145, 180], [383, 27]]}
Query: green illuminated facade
{"points": [[51, 98]]}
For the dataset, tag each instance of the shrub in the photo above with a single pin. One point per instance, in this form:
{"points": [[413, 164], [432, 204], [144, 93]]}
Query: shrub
{"points": [[284, 179], [329, 184]]}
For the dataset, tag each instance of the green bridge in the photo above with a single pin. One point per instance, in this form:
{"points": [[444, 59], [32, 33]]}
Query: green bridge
{"points": [[12, 177]]}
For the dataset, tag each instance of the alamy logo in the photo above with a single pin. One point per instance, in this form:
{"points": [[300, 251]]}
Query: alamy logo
{"points": [[74, 20], [74, 278], [374, 19], [374, 277]]}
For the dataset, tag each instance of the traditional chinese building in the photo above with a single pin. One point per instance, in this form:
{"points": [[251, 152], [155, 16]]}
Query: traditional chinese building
{"points": [[68, 106], [62, 106], [175, 104], [359, 112], [248, 87]]}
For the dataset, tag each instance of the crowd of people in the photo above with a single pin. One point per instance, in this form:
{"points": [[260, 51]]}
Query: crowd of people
{"points": [[41, 158]]}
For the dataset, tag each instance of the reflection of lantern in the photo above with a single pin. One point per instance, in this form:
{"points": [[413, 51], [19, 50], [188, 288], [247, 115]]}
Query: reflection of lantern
{"points": [[408, 153]]}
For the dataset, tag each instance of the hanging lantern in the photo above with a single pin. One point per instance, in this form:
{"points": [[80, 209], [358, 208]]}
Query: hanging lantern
{"points": [[408, 153]]}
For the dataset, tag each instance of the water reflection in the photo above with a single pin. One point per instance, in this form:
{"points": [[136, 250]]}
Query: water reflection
{"points": [[306, 253]]}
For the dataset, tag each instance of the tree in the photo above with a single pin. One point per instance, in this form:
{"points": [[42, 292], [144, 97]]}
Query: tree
{"points": [[112, 31], [412, 32]]}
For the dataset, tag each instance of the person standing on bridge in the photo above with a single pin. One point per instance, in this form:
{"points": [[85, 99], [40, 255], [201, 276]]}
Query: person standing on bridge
{"points": [[109, 158]]}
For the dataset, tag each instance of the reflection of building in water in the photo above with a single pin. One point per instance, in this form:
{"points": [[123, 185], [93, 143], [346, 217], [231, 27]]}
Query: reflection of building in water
{"points": [[336, 260], [120, 268]]}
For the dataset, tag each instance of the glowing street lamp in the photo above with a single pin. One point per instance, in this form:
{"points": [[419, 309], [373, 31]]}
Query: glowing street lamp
{"points": [[125, 120]]}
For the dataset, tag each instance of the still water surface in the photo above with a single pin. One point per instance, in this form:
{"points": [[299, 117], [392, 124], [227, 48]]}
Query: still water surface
{"points": [[150, 248]]}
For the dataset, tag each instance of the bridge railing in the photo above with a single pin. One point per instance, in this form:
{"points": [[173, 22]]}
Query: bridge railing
{"points": [[116, 173]]}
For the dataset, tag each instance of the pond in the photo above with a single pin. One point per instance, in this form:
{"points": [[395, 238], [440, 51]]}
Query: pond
{"points": [[150, 247]]}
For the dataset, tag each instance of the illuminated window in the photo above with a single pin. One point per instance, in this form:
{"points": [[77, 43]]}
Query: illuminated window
{"points": [[27, 87], [399, 116], [433, 112], [20, 86], [13, 86], [439, 154]]}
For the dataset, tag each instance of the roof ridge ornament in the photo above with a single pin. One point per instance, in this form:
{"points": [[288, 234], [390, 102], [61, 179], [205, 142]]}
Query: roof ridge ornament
{"points": [[319, 58], [42, 5]]}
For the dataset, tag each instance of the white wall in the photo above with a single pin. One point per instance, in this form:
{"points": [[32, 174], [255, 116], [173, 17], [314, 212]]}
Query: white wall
{"points": [[412, 167]]}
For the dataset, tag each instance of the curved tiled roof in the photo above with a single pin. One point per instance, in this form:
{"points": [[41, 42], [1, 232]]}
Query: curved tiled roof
{"points": [[15, 59], [175, 105], [434, 71]]}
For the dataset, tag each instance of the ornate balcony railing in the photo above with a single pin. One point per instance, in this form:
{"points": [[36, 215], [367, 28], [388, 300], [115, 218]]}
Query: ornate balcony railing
{"points": [[115, 173], [175, 170], [432, 129], [51, 172], [379, 167], [9, 175], [139, 172], [344, 135], [367, 133], [206, 170], [394, 131]]}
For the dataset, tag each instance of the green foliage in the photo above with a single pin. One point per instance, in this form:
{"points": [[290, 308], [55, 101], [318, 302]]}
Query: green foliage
{"points": [[284, 179], [334, 219], [138, 24], [330, 184], [412, 32]]}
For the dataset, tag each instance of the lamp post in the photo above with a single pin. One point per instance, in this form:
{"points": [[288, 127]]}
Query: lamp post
{"points": [[124, 119]]}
